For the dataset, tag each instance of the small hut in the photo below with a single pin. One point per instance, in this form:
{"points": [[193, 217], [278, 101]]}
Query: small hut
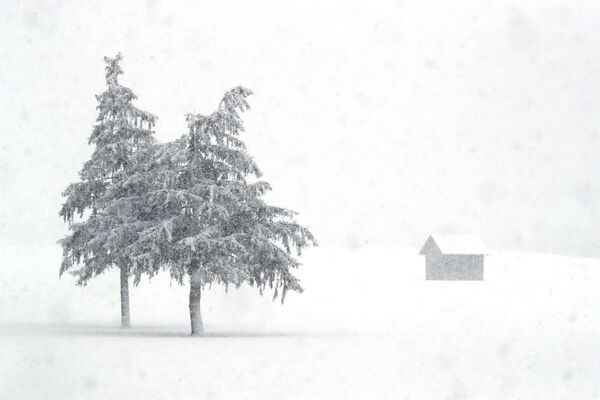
{"points": [[454, 257]]}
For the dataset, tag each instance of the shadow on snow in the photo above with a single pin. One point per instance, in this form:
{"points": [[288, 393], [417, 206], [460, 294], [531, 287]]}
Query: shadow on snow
{"points": [[82, 330]]}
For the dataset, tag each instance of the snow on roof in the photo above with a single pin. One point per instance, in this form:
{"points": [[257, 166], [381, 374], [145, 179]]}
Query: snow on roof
{"points": [[457, 244]]}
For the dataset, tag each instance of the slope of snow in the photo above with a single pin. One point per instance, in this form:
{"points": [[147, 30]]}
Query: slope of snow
{"points": [[367, 326]]}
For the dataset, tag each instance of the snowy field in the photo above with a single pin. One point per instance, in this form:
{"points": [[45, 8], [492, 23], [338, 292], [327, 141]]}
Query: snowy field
{"points": [[367, 327]]}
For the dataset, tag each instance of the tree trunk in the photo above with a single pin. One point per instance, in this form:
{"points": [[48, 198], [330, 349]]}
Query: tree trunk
{"points": [[125, 322], [195, 290]]}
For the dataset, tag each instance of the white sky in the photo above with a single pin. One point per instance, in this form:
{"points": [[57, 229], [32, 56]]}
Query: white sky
{"points": [[379, 122]]}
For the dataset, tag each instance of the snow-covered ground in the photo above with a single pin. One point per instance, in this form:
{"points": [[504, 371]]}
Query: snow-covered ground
{"points": [[367, 327]]}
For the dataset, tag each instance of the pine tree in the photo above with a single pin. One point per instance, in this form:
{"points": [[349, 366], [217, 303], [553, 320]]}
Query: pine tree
{"points": [[204, 221], [96, 241]]}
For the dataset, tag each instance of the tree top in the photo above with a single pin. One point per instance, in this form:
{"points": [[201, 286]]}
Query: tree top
{"points": [[113, 69]]}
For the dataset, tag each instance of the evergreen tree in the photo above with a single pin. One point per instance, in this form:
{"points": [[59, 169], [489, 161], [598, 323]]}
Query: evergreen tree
{"points": [[203, 220], [96, 241]]}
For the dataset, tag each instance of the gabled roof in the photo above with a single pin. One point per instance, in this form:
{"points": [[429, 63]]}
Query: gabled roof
{"points": [[456, 244]]}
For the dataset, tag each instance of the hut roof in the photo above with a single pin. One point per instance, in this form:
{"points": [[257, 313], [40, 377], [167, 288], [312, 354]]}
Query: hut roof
{"points": [[455, 244]]}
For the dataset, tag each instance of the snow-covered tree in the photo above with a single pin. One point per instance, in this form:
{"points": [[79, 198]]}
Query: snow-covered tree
{"points": [[104, 226], [204, 221]]}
